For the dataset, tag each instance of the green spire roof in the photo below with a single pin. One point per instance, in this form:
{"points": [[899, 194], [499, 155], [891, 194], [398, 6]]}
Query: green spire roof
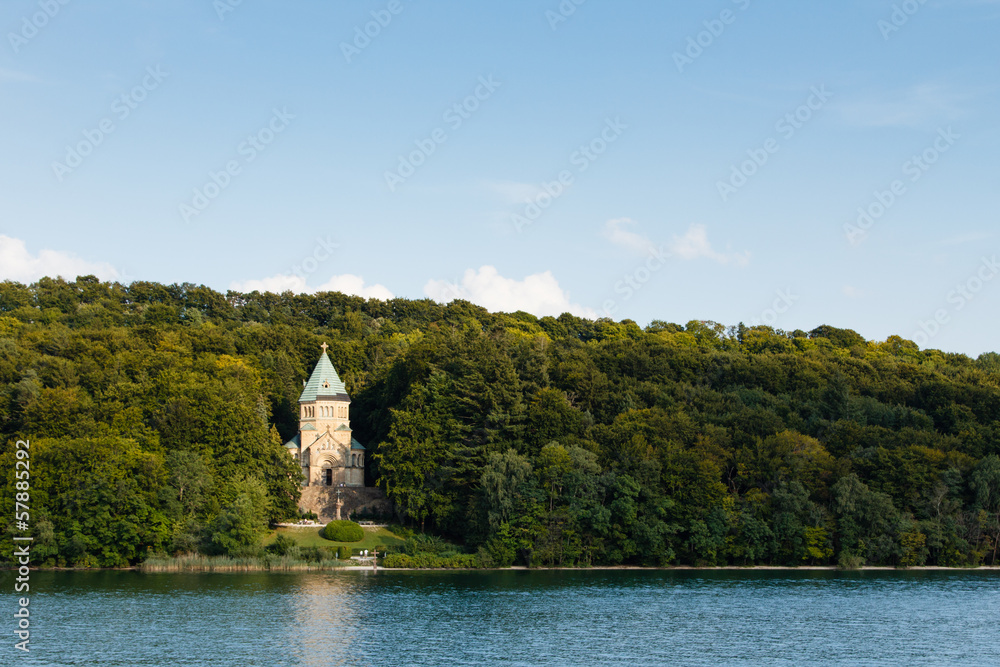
{"points": [[324, 381]]}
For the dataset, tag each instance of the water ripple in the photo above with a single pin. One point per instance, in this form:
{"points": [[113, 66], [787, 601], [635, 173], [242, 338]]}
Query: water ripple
{"points": [[515, 618]]}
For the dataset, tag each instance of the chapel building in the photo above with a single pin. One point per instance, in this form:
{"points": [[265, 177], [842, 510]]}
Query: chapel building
{"points": [[324, 447]]}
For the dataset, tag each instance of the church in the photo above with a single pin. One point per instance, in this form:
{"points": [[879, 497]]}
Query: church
{"points": [[324, 447]]}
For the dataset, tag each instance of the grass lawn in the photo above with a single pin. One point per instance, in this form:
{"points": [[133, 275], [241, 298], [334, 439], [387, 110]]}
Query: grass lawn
{"points": [[310, 537]]}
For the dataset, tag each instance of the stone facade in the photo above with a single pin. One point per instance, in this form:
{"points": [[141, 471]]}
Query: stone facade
{"points": [[323, 501], [330, 457]]}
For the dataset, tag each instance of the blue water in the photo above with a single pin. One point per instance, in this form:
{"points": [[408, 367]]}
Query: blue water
{"points": [[573, 618]]}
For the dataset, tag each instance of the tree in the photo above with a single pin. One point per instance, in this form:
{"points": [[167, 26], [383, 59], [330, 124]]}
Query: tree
{"points": [[867, 520], [985, 484], [238, 528], [189, 481]]}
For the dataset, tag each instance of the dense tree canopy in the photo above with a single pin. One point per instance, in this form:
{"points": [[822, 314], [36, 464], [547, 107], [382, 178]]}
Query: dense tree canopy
{"points": [[156, 415]]}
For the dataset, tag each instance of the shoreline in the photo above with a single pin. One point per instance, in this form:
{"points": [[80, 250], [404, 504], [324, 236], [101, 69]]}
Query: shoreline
{"points": [[522, 568]]}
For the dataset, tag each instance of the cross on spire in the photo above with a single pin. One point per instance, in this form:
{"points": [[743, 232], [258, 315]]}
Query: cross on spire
{"points": [[324, 346]]}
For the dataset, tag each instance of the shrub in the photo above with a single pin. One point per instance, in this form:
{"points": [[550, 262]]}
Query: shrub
{"points": [[282, 545], [431, 561], [343, 531], [501, 552], [401, 531], [314, 554], [343, 553], [430, 544], [848, 561]]}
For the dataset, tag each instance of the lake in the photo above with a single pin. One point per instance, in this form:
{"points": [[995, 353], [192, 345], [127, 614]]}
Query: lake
{"points": [[578, 618]]}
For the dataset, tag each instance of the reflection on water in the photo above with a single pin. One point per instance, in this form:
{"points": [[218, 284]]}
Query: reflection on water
{"points": [[322, 627], [515, 618]]}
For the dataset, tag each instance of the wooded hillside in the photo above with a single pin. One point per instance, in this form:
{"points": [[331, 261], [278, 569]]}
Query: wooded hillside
{"points": [[156, 415]]}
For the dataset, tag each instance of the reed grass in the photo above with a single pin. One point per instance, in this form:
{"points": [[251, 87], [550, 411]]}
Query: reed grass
{"points": [[201, 563]]}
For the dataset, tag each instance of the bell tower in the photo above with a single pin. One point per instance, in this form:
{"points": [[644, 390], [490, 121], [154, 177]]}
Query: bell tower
{"points": [[327, 452]]}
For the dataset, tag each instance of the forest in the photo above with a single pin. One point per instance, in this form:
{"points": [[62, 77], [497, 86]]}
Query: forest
{"points": [[156, 415]]}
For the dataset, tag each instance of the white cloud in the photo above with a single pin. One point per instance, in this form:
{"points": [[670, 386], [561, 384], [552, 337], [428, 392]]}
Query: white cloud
{"points": [[351, 284], [920, 106], [538, 294], [693, 245], [346, 283], [614, 232], [17, 264]]}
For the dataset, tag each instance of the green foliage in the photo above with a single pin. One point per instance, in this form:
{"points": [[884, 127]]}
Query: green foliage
{"points": [[156, 415], [868, 521], [238, 528], [432, 561], [343, 553], [343, 531], [283, 546], [316, 554], [419, 543]]}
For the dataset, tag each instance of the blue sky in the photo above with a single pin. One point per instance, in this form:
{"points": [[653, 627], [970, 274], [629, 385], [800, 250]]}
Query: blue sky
{"points": [[642, 160]]}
